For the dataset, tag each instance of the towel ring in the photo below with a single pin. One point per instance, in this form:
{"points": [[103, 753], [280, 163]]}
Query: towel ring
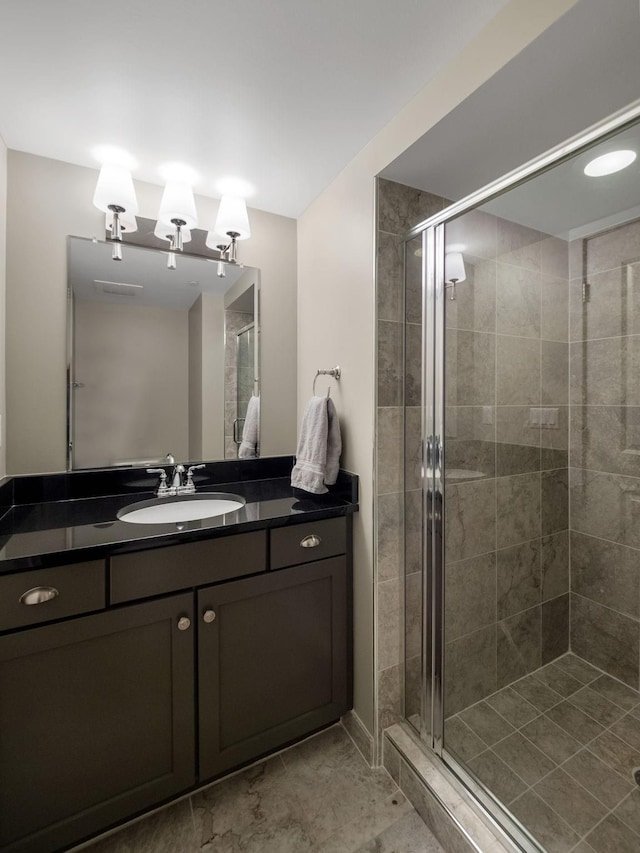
{"points": [[335, 372]]}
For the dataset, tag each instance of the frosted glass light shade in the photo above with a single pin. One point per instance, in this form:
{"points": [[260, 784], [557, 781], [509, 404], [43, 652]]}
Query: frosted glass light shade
{"points": [[128, 223], [233, 217], [454, 267], [214, 240], [178, 203], [165, 232], [115, 186]]}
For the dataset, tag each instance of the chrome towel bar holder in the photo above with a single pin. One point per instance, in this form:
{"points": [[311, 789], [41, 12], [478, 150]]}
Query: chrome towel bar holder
{"points": [[335, 372]]}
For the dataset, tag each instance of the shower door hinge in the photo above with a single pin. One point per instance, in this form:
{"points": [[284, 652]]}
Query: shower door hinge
{"points": [[586, 290]]}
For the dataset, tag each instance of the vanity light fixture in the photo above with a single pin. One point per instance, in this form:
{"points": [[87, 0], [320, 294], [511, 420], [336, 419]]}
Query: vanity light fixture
{"points": [[609, 163], [454, 272], [178, 206], [115, 193], [233, 222], [168, 233]]}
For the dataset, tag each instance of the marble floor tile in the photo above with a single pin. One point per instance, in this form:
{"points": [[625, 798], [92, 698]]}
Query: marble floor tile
{"points": [[574, 721], [597, 706], [524, 758], [460, 740], [628, 730], [551, 739], [545, 824], [558, 680], [612, 835], [351, 837], [570, 800], [598, 778], [408, 835], [165, 831], [512, 707], [537, 693], [616, 692], [629, 811], [497, 776], [616, 753], [486, 723], [577, 668]]}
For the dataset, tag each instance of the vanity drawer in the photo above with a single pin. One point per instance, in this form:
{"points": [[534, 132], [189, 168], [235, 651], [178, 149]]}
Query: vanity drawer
{"points": [[303, 543], [30, 598], [147, 573]]}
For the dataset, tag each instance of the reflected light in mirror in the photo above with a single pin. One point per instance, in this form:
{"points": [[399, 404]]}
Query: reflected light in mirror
{"points": [[609, 163]]}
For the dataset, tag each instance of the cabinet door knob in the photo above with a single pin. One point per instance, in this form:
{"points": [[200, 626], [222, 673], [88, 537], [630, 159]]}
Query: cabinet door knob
{"points": [[209, 615], [311, 541], [38, 595], [184, 623]]}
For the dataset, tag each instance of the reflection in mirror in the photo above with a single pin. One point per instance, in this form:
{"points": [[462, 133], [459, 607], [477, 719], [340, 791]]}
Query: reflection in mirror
{"points": [[161, 360]]}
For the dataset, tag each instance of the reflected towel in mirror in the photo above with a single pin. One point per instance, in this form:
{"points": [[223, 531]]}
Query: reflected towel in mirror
{"points": [[251, 430], [319, 447]]}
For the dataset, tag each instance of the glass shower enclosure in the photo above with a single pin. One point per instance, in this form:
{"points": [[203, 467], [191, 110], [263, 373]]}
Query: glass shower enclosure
{"points": [[522, 495]]}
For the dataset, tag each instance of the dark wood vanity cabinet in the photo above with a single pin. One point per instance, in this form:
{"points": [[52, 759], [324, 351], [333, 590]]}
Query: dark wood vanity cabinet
{"points": [[98, 711], [96, 721]]}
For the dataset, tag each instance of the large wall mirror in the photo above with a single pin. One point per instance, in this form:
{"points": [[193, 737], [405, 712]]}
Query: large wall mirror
{"points": [[161, 360]]}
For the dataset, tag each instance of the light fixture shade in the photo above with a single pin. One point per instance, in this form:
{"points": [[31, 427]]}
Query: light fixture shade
{"points": [[233, 218], [178, 203], [115, 187], [214, 240], [454, 267], [128, 223], [166, 232]]}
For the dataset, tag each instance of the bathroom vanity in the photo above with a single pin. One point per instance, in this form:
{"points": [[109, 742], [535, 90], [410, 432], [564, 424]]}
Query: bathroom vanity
{"points": [[139, 661]]}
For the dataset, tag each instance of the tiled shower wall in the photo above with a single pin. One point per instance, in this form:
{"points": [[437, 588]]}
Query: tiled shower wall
{"points": [[506, 490], [238, 380], [605, 451]]}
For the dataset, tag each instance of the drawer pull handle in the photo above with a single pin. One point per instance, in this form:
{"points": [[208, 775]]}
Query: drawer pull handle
{"points": [[39, 595], [209, 616], [311, 541], [184, 623]]}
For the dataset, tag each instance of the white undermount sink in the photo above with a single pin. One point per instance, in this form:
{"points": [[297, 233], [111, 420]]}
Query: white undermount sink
{"points": [[180, 508]]}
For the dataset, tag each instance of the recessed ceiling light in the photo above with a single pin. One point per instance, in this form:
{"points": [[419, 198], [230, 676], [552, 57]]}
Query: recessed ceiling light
{"points": [[609, 163]]}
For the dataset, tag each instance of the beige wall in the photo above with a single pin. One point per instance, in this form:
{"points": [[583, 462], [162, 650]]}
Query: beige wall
{"points": [[48, 200], [336, 285], [133, 364], [3, 222]]}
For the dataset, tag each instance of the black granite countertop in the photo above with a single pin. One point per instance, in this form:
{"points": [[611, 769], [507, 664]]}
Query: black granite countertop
{"points": [[50, 520]]}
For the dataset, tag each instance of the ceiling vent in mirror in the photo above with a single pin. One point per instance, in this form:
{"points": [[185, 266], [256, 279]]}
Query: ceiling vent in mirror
{"points": [[119, 288]]}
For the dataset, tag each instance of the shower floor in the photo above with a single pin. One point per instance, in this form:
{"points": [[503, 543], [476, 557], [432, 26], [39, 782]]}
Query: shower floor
{"points": [[560, 748]]}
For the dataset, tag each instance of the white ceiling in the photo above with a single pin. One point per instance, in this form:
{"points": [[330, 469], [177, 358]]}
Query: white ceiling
{"points": [[581, 70], [280, 92]]}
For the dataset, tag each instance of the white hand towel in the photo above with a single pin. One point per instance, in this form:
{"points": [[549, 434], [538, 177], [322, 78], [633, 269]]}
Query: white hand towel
{"points": [[319, 447], [251, 430]]}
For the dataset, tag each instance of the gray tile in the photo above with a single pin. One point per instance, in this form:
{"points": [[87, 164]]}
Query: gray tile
{"points": [[518, 302], [497, 776], [477, 226], [537, 693], [518, 441], [486, 723], [518, 509], [554, 308], [470, 595], [518, 578], [413, 531], [516, 459], [555, 565], [389, 617], [512, 707], [370, 827], [517, 371], [412, 614], [389, 277], [592, 577], [518, 646], [413, 280], [554, 501], [460, 740], [470, 519], [605, 505], [551, 739], [470, 368], [390, 363], [412, 686], [613, 247], [605, 638], [555, 628], [165, 831], [612, 835], [616, 753], [629, 811], [575, 721], [389, 699], [471, 669], [522, 756], [412, 448], [390, 538], [555, 373], [404, 836], [613, 307], [413, 365], [558, 680], [596, 706], [602, 372], [615, 692], [628, 730], [606, 438], [549, 829], [389, 451], [474, 307], [518, 245], [578, 668], [401, 207], [598, 778], [569, 799], [554, 257], [359, 735]]}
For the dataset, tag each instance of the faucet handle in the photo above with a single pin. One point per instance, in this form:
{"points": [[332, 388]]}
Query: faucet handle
{"points": [[193, 468], [161, 471], [163, 489]]}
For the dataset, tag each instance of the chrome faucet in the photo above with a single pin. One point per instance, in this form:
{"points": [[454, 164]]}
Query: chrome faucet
{"points": [[178, 486]]}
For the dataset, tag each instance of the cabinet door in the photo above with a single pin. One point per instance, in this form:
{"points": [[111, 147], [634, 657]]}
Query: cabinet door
{"points": [[272, 661], [96, 722]]}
